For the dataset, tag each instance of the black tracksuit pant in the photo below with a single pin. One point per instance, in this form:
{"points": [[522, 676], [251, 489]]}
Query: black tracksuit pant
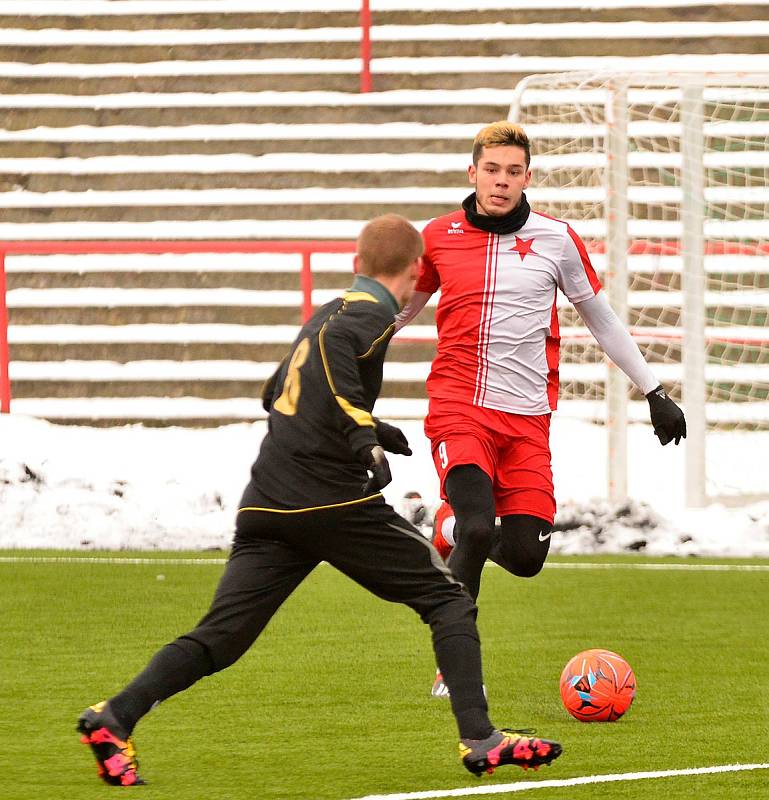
{"points": [[272, 554]]}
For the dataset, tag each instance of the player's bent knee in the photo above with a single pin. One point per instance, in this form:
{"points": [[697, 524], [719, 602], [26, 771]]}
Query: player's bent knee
{"points": [[523, 545], [527, 568], [475, 533]]}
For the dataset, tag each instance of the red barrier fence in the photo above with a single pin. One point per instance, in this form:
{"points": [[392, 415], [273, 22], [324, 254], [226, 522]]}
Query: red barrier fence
{"points": [[304, 248], [5, 381]]}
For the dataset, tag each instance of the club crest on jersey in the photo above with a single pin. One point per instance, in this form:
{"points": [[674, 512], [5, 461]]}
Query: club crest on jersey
{"points": [[523, 247], [456, 227]]}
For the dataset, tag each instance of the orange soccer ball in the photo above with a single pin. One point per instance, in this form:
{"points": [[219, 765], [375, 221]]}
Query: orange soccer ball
{"points": [[597, 686]]}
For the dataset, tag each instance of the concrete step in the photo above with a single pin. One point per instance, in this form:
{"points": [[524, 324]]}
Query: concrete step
{"points": [[719, 41], [129, 180], [169, 214], [312, 171], [347, 81], [151, 116], [388, 74], [181, 342], [202, 229], [186, 411], [472, 13], [38, 145], [144, 279], [123, 352], [207, 379], [163, 315]]}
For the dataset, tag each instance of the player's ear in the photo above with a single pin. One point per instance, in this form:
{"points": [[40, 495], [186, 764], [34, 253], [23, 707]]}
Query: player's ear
{"points": [[527, 180], [472, 173]]}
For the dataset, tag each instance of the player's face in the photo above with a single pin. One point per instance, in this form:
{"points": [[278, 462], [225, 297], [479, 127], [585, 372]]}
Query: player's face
{"points": [[499, 178]]}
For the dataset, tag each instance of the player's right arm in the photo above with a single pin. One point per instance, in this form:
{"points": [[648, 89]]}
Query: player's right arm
{"points": [[427, 284], [411, 309]]}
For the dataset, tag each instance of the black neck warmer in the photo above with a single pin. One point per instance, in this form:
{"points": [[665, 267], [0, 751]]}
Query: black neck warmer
{"points": [[509, 223]]}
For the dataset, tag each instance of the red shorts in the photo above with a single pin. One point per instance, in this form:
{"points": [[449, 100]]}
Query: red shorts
{"points": [[512, 449]]}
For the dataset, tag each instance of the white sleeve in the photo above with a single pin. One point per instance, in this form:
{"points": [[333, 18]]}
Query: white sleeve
{"points": [[411, 309], [615, 341]]}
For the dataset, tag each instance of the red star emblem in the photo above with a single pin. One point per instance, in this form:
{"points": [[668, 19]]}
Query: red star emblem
{"points": [[523, 247]]}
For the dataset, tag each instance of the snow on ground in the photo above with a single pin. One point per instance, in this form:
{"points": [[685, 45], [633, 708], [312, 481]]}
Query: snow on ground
{"points": [[178, 488]]}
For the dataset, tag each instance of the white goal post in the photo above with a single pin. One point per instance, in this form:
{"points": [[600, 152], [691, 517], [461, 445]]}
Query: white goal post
{"points": [[666, 178]]}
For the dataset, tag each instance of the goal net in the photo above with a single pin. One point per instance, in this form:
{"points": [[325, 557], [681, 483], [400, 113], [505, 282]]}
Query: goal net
{"points": [[666, 178]]}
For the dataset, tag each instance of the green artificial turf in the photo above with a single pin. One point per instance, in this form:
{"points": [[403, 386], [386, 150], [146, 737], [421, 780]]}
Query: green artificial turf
{"points": [[333, 700]]}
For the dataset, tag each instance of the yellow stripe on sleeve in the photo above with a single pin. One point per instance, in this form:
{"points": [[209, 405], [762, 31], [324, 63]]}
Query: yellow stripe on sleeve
{"points": [[361, 417]]}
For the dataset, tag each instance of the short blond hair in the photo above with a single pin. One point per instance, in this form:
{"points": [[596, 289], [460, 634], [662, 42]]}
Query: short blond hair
{"points": [[387, 245], [501, 134]]}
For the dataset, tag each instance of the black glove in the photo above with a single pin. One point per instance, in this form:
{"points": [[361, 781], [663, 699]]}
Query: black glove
{"points": [[373, 459], [392, 439], [667, 418]]}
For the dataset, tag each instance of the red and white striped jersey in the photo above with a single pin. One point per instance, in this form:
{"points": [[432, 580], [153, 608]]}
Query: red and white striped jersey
{"points": [[498, 338]]}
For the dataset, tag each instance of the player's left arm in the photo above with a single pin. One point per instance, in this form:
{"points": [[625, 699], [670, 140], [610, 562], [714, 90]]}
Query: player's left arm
{"points": [[615, 340], [578, 280]]}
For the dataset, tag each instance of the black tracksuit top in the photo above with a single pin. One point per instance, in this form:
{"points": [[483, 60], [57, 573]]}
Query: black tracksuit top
{"points": [[320, 401]]}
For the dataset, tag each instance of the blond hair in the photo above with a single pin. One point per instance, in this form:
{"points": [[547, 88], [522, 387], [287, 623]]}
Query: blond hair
{"points": [[501, 134], [387, 245]]}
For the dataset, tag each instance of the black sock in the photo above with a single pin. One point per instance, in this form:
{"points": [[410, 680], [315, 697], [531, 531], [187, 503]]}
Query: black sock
{"points": [[459, 660], [172, 669]]}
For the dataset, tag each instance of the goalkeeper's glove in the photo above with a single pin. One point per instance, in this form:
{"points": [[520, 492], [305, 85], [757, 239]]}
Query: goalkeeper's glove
{"points": [[392, 439], [373, 459], [667, 418]]}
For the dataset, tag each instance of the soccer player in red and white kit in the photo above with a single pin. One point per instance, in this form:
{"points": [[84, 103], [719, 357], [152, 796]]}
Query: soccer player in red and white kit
{"points": [[494, 379]]}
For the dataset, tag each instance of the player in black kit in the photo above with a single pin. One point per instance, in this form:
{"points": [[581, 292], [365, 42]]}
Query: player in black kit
{"points": [[314, 496]]}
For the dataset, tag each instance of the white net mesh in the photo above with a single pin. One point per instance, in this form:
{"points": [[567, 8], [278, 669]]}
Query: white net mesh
{"points": [[567, 118]]}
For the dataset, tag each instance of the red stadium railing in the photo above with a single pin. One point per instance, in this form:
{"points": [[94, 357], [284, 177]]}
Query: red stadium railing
{"points": [[5, 381], [305, 248], [365, 47]]}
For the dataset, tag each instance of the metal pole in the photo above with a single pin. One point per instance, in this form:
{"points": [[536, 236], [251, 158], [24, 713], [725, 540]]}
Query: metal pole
{"points": [[365, 47], [5, 380], [693, 286], [616, 278], [306, 281]]}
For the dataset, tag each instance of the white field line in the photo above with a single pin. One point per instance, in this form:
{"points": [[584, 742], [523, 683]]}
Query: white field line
{"points": [[525, 786], [131, 561], [656, 567]]}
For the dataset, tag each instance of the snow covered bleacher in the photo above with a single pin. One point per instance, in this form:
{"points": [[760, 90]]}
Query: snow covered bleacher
{"points": [[173, 119]]}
